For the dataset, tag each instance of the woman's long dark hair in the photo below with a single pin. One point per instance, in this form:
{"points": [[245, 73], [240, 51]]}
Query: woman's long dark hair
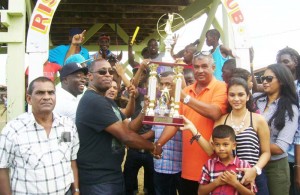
{"points": [[288, 95], [241, 82]]}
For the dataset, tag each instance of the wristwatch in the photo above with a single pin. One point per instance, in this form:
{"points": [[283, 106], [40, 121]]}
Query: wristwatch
{"points": [[258, 170], [186, 99]]}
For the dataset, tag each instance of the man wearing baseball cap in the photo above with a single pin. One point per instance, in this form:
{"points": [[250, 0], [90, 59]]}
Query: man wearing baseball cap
{"points": [[73, 80], [104, 52]]}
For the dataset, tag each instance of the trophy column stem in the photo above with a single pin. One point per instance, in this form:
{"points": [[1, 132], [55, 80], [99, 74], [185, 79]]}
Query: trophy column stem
{"points": [[152, 89], [178, 71]]}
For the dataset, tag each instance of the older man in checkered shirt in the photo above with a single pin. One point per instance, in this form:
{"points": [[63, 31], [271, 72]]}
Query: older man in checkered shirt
{"points": [[39, 148]]}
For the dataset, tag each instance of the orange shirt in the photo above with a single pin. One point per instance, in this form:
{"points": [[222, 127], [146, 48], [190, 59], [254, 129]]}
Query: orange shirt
{"points": [[193, 156]]}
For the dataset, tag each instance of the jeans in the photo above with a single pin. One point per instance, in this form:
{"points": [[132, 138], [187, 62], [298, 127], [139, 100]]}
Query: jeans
{"points": [[103, 189], [261, 182], [134, 161], [166, 184]]}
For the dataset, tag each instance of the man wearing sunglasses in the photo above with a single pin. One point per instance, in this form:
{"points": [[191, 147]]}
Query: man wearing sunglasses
{"points": [[202, 102], [103, 133]]}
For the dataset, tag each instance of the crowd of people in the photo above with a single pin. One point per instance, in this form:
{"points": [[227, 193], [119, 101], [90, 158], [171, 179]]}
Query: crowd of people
{"points": [[238, 137]]}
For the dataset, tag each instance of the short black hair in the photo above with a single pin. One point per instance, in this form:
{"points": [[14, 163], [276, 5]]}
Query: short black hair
{"points": [[231, 63], [92, 65], [39, 79], [214, 33], [166, 74], [223, 131], [151, 40], [241, 73]]}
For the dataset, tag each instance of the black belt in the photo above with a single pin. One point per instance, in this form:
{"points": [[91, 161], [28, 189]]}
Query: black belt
{"points": [[139, 150]]}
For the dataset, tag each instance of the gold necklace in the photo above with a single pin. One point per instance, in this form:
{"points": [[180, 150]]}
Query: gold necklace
{"points": [[238, 128]]}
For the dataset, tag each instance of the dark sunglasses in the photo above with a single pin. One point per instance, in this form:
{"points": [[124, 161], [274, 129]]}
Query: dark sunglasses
{"points": [[203, 53], [267, 78], [104, 71]]}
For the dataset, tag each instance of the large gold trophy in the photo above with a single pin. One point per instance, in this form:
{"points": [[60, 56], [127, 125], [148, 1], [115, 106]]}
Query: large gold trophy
{"points": [[163, 109]]}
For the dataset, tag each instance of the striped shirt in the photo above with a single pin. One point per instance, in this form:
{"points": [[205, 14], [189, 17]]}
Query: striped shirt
{"points": [[247, 146], [214, 168], [170, 163], [39, 164]]}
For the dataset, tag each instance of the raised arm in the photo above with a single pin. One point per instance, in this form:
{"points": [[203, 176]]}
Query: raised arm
{"points": [[227, 51], [121, 72], [143, 66], [75, 44], [130, 107]]}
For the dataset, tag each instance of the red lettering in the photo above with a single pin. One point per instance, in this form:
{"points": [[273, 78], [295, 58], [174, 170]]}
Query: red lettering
{"points": [[50, 2], [237, 17], [231, 4], [38, 22], [44, 8]]}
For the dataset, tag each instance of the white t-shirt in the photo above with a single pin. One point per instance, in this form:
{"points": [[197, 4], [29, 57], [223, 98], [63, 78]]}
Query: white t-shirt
{"points": [[66, 103]]}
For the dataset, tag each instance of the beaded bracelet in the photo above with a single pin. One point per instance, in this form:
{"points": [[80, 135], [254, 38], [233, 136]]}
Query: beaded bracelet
{"points": [[195, 137]]}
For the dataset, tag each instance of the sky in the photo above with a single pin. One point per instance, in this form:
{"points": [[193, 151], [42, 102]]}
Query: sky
{"points": [[271, 25]]}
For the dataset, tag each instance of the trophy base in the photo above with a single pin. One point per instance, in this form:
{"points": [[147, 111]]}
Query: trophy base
{"points": [[163, 120]]}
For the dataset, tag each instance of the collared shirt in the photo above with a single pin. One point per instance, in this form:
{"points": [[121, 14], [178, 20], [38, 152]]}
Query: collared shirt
{"points": [[214, 168], [170, 163], [66, 103], [193, 156], [39, 164], [297, 135], [284, 137], [291, 150]]}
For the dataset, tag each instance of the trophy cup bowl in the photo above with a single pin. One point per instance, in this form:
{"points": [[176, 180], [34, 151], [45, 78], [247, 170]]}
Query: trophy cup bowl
{"points": [[163, 109]]}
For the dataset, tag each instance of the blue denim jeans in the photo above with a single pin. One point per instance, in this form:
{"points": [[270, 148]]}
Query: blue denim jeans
{"points": [[166, 184], [261, 182], [134, 161], [103, 189]]}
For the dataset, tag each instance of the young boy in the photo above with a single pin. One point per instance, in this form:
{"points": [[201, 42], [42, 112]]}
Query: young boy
{"points": [[219, 174]]}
